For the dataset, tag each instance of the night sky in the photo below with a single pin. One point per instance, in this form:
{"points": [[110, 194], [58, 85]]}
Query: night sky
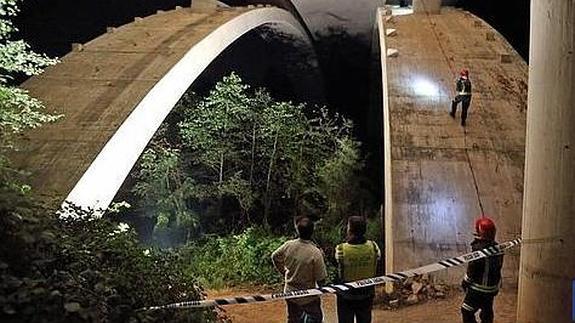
{"points": [[52, 25]]}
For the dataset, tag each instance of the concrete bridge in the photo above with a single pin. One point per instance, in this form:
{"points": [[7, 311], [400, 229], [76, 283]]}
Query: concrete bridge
{"points": [[116, 90], [441, 176]]}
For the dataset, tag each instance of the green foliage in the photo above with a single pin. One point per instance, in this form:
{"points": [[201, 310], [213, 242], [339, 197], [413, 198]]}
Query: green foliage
{"points": [[15, 55], [235, 259], [241, 158], [75, 270], [339, 180], [18, 111], [83, 270], [164, 190]]}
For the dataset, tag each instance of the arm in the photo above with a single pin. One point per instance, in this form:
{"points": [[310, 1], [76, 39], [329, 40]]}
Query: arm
{"points": [[474, 269], [378, 264], [339, 260], [278, 259], [320, 271]]}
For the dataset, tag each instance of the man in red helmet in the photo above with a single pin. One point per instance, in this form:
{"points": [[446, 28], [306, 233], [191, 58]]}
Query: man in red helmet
{"points": [[481, 283], [463, 88]]}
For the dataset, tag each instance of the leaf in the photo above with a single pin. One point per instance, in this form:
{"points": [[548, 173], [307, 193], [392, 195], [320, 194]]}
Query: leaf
{"points": [[72, 307]]}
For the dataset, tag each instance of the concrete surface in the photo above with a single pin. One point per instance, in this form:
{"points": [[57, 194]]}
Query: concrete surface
{"points": [[117, 89], [548, 252], [427, 6], [441, 176]]}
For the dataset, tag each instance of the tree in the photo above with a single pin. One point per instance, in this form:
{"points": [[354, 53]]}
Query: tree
{"points": [[339, 182], [239, 151], [18, 111], [164, 191]]}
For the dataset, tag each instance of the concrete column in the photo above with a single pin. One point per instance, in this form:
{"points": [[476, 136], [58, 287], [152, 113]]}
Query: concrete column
{"points": [[427, 6], [548, 253]]}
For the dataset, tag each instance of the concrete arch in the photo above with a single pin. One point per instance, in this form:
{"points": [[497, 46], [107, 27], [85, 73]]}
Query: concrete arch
{"points": [[99, 183]]}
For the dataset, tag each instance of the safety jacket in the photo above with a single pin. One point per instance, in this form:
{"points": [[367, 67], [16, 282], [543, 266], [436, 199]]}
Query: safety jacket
{"points": [[484, 275], [356, 262], [463, 86]]}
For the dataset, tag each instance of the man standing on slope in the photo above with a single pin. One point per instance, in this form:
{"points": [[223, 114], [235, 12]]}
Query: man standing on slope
{"points": [[481, 283], [463, 88], [301, 263]]}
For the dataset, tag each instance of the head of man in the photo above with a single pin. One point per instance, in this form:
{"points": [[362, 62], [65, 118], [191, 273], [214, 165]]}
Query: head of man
{"points": [[356, 227], [304, 227]]}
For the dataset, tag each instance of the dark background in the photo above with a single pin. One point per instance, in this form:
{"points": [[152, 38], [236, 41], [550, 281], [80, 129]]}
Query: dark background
{"points": [[509, 17], [52, 25]]}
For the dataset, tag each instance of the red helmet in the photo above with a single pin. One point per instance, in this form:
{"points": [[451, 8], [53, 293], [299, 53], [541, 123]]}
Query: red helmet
{"points": [[485, 228], [464, 72]]}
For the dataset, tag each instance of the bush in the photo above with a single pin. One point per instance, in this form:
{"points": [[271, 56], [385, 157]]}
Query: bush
{"points": [[239, 259], [83, 270]]}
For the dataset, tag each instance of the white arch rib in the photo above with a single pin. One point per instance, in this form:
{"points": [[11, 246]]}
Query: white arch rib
{"points": [[98, 185]]}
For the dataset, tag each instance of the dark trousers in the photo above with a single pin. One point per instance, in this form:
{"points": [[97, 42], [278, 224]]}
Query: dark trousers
{"points": [[296, 311], [348, 309], [476, 301], [465, 102]]}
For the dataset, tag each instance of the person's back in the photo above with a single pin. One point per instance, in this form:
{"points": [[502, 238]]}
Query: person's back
{"points": [[481, 282], [357, 259], [301, 263]]}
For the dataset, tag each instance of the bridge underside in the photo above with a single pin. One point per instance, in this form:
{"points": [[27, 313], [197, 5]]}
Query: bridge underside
{"points": [[443, 176]]}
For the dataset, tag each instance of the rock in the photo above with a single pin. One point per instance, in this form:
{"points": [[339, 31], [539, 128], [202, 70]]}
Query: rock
{"points": [[412, 299], [439, 295], [416, 287], [440, 288]]}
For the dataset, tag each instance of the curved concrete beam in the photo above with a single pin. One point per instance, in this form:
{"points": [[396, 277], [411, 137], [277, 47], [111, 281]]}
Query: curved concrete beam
{"points": [[99, 184]]}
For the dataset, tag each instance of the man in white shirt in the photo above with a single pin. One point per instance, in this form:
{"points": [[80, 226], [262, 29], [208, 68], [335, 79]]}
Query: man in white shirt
{"points": [[301, 263]]}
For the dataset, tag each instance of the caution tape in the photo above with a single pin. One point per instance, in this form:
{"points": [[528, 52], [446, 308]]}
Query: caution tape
{"points": [[335, 288]]}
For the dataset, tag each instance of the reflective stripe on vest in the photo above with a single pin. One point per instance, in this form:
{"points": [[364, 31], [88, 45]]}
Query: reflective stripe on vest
{"points": [[480, 287], [359, 260]]}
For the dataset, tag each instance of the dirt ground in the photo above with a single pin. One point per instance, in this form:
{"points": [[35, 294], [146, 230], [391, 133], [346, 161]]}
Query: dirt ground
{"points": [[435, 311]]}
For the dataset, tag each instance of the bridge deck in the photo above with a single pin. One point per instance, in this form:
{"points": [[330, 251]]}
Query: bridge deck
{"points": [[97, 87], [443, 175]]}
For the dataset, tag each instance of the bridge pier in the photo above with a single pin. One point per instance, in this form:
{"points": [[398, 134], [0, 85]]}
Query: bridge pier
{"points": [[427, 6], [547, 262]]}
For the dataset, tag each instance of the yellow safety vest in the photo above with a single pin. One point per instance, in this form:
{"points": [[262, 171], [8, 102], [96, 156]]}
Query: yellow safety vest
{"points": [[359, 261]]}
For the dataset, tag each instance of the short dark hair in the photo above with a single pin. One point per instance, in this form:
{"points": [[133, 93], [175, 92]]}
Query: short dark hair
{"points": [[357, 225], [304, 227]]}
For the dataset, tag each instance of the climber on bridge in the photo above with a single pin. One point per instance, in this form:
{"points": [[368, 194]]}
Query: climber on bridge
{"points": [[481, 283], [357, 259], [301, 263], [463, 88]]}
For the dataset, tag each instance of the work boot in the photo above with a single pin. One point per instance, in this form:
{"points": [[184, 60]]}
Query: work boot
{"points": [[452, 114], [463, 123]]}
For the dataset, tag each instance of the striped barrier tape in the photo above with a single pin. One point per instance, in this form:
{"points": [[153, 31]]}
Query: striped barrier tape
{"points": [[331, 289]]}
